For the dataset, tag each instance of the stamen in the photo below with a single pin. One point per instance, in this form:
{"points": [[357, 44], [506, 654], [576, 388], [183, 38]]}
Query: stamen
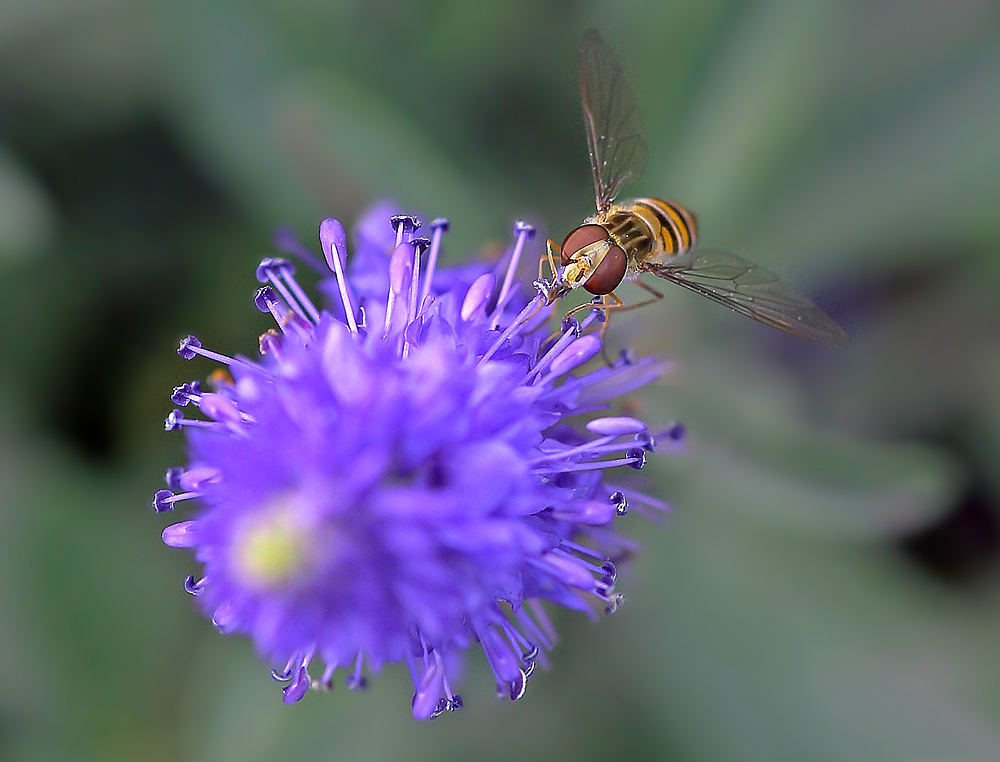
{"points": [[333, 241], [269, 343], [190, 346], [570, 571], [164, 499], [585, 449], [510, 330], [439, 227], [357, 681], [175, 420], [634, 457], [571, 330], [272, 270], [184, 394], [420, 245], [595, 512], [504, 663], [326, 681], [194, 587], [524, 233], [528, 623], [648, 507], [675, 433], [637, 456], [266, 301], [583, 550], [404, 225], [173, 477]]}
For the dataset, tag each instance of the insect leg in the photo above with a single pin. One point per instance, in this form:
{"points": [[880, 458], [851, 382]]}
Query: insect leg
{"points": [[620, 307], [550, 247]]}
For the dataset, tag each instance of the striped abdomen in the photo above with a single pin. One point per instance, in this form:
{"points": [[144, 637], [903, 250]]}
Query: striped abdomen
{"points": [[645, 227]]}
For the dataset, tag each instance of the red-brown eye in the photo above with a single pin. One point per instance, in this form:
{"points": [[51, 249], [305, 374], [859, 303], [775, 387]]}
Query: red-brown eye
{"points": [[609, 274], [580, 237]]}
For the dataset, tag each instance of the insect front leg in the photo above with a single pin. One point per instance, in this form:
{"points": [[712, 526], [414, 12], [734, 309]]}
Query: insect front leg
{"points": [[550, 247]]}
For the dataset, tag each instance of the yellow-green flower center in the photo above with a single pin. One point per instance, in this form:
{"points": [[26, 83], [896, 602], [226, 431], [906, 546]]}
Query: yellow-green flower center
{"points": [[272, 548]]}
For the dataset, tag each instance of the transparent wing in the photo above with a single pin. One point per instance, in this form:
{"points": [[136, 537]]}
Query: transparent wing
{"points": [[749, 289], [611, 117]]}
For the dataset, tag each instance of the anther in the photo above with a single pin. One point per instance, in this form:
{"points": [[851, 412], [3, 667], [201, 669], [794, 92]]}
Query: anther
{"points": [[356, 681], [269, 265], [646, 441], [184, 394], [598, 309], [187, 347], [610, 573], [404, 225], [173, 477], [269, 342], [676, 432], [173, 421], [620, 502], [163, 501], [193, 586], [267, 301], [625, 357], [637, 457], [325, 683], [571, 325]]}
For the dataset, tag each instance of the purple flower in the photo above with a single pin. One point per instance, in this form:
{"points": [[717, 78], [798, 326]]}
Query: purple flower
{"points": [[406, 474]]}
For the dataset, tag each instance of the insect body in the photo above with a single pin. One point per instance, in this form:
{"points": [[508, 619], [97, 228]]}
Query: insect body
{"points": [[647, 235]]}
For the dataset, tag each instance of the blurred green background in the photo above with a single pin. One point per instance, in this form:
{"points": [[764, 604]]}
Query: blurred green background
{"points": [[827, 586]]}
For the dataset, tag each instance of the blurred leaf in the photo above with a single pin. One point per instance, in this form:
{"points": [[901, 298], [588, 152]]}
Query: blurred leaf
{"points": [[26, 215], [96, 621], [750, 440], [806, 650]]}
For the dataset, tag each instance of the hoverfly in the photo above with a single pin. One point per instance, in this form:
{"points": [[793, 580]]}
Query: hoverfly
{"points": [[646, 235]]}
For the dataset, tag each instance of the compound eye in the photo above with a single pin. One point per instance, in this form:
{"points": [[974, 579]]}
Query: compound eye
{"points": [[609, 274], [580, 237]]}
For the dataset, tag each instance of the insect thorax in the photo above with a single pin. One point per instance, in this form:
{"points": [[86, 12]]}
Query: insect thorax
{"points": [[646, 227]]}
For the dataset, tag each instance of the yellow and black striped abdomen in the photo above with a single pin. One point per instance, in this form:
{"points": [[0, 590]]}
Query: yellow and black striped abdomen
{"points": [[673, 226]]}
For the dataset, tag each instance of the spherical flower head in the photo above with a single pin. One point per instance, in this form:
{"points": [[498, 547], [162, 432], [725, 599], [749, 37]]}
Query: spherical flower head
{"points": [[407, 473]]}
